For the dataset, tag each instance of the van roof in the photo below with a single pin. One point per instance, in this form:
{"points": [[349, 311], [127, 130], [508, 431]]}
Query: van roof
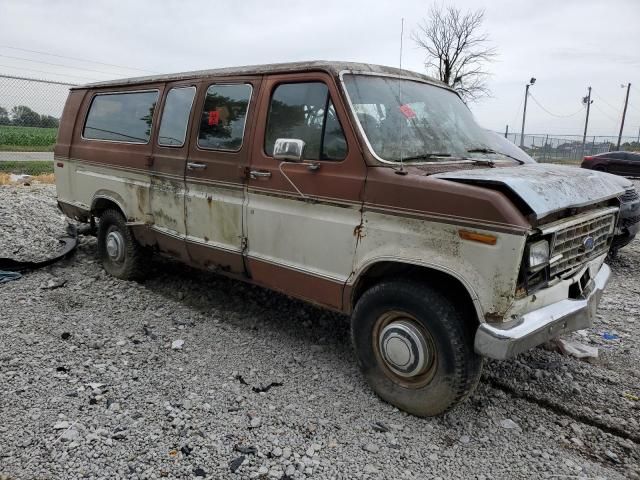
{"points": [[333, 68]]}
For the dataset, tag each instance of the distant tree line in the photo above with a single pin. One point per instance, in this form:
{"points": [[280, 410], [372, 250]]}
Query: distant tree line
{"points": [[23, 116]]}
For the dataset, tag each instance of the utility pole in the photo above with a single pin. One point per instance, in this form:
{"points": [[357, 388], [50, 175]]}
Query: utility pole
{"points": [[506, 132], [524, 111], [588, 101], [624, 114]]}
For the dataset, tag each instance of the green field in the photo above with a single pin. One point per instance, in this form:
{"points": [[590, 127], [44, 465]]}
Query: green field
{"points": [[29, 168], [27, 139]]}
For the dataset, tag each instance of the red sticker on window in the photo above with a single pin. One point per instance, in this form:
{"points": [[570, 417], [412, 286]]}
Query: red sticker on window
{"points": [[407, 111], [214, 117]]}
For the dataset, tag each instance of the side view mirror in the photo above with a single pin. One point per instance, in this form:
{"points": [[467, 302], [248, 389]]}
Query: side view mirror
{"points": [[289, 149]]}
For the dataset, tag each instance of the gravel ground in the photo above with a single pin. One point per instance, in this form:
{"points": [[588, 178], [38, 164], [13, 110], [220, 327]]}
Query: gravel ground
{"points": [[30, 223], [190, 375]]}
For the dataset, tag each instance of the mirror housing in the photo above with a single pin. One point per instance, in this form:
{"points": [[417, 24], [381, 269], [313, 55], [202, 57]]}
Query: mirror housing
{"points": [[289, 150]]}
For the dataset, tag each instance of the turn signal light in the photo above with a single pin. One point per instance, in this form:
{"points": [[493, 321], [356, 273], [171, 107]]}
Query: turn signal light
{"points": [[478, 237]]}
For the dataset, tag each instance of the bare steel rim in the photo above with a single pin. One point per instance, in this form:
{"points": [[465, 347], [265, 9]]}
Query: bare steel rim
{"points": [[405, 349], [115, 245]]}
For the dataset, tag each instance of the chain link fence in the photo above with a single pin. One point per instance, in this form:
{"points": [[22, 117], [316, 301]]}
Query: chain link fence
{"points": [[569, 148], [30, 111]]}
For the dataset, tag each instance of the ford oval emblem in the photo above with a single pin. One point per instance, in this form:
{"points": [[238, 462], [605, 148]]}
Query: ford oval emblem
{"points": [[588, 243]]}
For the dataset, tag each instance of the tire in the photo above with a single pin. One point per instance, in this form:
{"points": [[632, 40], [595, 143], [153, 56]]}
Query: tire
{"points": [[452, 370], [131, 259], [601, 168]]}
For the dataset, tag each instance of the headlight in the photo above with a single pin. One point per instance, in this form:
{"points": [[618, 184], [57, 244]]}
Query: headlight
{"points": [[538, 254]]}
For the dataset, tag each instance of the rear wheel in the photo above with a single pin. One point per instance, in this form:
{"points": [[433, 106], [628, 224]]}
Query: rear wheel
{"points": [[414, 347], [119, 251], [600, 168]]}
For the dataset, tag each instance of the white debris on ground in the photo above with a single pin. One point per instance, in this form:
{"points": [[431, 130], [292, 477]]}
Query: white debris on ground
{"points": [[576, 349], [31, 224], [19, 178], [93, 386]]}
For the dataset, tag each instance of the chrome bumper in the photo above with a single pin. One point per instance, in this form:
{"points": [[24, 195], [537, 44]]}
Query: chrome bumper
{"points": [[501, 341]]}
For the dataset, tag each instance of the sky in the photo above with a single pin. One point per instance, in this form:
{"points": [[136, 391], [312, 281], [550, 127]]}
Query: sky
{"points": [[566, 45]]}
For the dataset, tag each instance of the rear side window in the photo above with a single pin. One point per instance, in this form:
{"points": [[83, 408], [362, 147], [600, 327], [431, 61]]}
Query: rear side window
{"points": [[305, 111], [175, 116], [121, 117], [224, 116]]}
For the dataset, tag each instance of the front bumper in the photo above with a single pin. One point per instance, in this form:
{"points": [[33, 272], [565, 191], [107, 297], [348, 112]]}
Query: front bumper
{"points": [[502, 341]]}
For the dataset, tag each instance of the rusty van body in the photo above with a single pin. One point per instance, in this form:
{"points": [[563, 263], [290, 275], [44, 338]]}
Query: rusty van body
{"points": [[363, 189]]}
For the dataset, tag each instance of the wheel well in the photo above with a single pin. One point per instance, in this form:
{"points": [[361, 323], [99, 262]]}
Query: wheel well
{"points": [[102, 204], [446, 284]]}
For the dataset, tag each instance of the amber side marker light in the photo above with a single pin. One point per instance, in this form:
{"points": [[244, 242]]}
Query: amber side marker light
{"points": [[478, 237]]}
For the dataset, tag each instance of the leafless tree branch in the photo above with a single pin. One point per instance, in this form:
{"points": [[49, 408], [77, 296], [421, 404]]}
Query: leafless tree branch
{"points": [[456, 49]]}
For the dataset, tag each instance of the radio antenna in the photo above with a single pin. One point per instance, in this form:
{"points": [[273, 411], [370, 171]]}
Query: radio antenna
{"points": [[401, 35], [401, 171]]}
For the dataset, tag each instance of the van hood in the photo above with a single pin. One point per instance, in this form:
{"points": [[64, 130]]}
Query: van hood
{"points": [[546, 188]]}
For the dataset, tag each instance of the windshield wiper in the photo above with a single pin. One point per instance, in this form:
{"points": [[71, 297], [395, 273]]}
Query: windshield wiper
{"points": [[426, 156], [491, 151]]}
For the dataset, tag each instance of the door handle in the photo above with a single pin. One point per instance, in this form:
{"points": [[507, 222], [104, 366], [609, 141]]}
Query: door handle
{"points": [[254, 174], [196, 166]]}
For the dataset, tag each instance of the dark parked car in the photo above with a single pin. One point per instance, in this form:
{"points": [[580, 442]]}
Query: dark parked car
{"points": [[626, 164], [628, 221]]}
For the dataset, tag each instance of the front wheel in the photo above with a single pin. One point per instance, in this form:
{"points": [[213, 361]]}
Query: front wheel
{"points": [[119, 251], [414, 347]]}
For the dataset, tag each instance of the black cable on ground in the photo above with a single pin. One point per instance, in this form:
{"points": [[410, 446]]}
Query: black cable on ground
{"points": [[69, 242]]}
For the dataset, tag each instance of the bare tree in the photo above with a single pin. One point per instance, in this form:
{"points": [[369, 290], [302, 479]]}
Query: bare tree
{"points": [[457, 51]]}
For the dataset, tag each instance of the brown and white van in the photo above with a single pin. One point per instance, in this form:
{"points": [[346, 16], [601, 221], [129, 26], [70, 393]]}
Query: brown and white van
{"points": [[363, 189]]}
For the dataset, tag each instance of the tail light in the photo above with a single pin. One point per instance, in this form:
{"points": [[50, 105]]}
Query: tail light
{"points": [[586, 159]]}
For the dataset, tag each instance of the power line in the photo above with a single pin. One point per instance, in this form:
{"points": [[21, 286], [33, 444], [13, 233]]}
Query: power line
{"points": [[554, 114], [49, 73], [617, 110], [57, 65], [634, 107], [615, 120], [78, 59]]}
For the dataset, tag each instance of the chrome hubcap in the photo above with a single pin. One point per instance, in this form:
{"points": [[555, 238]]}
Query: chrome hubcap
{"points": [[404, 348], [115, 246]]}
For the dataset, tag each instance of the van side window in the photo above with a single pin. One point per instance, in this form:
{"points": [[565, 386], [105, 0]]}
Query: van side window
{"points": [[305, 111], [175, 116], [121, 117], [224, 117]]}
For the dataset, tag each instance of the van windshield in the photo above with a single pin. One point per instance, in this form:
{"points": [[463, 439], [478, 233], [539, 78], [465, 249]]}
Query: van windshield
{"points": [[414, 121]]}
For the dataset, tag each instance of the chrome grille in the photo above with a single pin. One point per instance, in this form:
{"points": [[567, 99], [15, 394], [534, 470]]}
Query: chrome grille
{"points": [[569, 242]]}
